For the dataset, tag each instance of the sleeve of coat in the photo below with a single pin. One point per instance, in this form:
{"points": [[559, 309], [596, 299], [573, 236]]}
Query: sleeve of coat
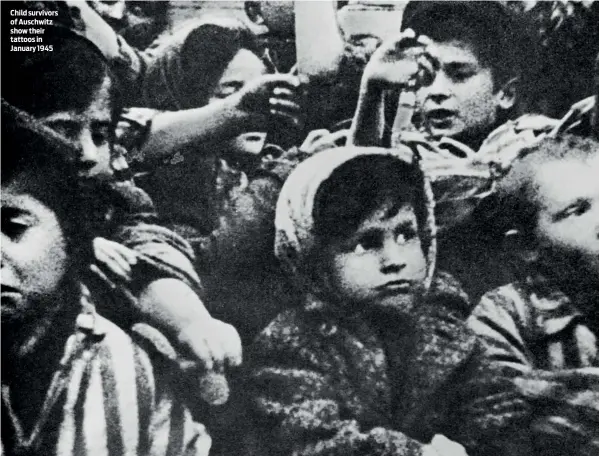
{"points": [[293, 385], [163, 253]]}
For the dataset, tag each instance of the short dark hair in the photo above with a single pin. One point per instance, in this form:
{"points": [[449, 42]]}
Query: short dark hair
{"points": [[361, 186], [191, 63], [517, 204], [489, 27], [81, 206], [142, 35], [67, 78]]}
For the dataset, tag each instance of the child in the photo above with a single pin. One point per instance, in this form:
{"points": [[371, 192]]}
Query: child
{"points": [[543, 329], [458, 59], [73, 383], [218, 194], [370, 363], [154, 262]]}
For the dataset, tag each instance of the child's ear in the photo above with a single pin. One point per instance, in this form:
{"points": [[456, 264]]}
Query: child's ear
{"points": [[520, 247], [506, 96]]}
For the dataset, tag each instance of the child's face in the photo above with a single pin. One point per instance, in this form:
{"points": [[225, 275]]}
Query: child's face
{"points": [[382, 263], [244, 68], [34, 251], [568, 218], [462, 99], [90, 129]]}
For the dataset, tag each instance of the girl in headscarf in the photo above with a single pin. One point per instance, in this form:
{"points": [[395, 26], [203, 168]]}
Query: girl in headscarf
{"points": [[372, 361]]}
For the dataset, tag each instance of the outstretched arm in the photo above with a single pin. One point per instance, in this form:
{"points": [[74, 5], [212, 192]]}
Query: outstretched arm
{"points": [[368, 124], [271, 98]]}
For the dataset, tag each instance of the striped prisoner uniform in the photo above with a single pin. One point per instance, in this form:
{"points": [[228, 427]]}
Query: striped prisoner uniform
{"points": [[110, 396], [525, 329], [543, 369]]}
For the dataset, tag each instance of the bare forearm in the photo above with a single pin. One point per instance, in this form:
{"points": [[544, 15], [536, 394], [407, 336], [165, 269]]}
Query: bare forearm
{"points": [[369, 120], [175, 129], [315, 24]]}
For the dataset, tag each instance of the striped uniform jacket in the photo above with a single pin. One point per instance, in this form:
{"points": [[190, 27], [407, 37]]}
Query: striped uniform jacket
{"points": [[111, 396], [542, 368], [525, 329]]}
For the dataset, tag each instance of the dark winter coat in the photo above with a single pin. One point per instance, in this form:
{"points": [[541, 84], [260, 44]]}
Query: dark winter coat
{"points": [[321, 381]]}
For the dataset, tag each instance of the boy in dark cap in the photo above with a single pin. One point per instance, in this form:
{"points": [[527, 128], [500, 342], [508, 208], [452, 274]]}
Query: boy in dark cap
{"points": [[73, 382]]}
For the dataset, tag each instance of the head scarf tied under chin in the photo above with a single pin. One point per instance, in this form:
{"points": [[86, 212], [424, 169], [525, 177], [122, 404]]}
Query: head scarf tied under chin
{"points": [[295, 239]]}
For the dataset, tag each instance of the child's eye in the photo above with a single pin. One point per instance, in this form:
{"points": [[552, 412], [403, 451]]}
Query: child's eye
{"points": [[14, 228], [100, 136], [405, 236], [460, 74], [366, 243], [575, 210], [460, 77]]}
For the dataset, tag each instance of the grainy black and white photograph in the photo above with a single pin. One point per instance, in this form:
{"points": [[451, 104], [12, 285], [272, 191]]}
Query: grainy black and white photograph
{"points": [[300, 228]]}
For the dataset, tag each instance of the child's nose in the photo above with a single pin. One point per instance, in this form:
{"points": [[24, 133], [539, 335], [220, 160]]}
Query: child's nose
{"points": [[88, 151], [439, 90], [393, 259]]}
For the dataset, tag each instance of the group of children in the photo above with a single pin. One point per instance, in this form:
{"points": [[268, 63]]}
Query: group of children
{"points": [[424, 282]]}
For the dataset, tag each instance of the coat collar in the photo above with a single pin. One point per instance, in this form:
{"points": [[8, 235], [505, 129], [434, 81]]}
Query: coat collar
{"points": [[438, 346]]}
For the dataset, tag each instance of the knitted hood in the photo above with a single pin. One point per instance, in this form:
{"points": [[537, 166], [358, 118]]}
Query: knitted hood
{"points": [[295, 239]]}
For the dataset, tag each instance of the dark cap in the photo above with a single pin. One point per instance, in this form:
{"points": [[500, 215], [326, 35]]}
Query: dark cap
{"points": [[27, 143]]}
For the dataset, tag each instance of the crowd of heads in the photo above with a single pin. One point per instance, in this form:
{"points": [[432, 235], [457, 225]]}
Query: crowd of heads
{"points": [[72, 91], [354, 226], [50, 215]]}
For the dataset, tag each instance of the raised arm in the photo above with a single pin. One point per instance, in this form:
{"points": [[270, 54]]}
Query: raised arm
{"points": [[368, 124], [400, 64]]}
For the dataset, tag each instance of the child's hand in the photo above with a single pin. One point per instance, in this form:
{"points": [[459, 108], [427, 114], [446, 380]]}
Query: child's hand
{"points": [[442, 446], [401, 63], [274, 97], [568, 407], [212, 344], [117, 258], [213, 387], [319, 140]]}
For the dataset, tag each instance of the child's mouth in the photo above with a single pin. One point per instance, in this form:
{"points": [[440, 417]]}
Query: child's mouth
{"points": [[10, 296], [439, 118], [396, 286]]}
